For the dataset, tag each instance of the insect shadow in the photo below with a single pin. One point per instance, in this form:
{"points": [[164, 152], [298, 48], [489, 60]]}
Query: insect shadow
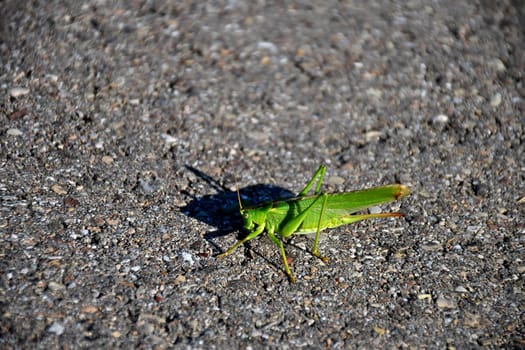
{"points": [[221, 210]]}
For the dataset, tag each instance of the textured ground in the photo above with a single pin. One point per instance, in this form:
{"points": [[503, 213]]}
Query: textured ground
{"points": [[123, 125]]}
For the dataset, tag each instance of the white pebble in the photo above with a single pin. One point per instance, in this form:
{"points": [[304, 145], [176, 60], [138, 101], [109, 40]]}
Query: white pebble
{"points": [[266, 45], [169, 139], [374, 210], [498, 65], [495, 100], [14, 132], [461, 289], [56, 328], [187, 258], [17, 92], [440, 119]]}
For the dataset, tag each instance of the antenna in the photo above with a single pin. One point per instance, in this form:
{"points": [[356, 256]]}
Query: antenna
{"points": [[238, 193]]}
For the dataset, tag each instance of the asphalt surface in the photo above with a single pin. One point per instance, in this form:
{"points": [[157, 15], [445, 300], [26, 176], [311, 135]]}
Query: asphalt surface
{"points": [[124, 126]]}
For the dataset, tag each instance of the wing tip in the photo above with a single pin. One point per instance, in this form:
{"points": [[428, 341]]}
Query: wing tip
{"points": [[402, 191]]}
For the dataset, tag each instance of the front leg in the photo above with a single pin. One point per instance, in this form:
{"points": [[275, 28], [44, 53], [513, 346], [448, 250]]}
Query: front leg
{"points": [[258, 230]]}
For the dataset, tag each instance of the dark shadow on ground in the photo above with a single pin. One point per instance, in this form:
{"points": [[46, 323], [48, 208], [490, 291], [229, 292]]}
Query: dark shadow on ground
{"points": [[221, 210]]}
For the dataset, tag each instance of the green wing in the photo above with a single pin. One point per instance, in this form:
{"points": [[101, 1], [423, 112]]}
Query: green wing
{"points": [[341, 208]]}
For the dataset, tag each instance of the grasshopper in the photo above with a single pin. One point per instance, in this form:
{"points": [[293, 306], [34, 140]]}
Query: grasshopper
{"points": [[313, 213]]}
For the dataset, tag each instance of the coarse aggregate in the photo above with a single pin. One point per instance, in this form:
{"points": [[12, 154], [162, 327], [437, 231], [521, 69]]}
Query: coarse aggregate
{"points": [[125, 127]]}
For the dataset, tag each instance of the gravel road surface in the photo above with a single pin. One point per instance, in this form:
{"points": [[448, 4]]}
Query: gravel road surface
{"points": [[124, 126]]}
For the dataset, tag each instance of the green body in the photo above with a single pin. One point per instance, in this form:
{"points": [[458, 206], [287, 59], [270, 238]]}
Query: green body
{"points": [[313, 213]]}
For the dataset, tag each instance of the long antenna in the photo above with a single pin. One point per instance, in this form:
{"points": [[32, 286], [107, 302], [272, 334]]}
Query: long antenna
{"points": [[238, 193]]}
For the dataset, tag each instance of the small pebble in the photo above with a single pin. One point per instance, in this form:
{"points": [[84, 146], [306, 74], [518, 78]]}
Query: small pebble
{"points": [[71, 202], [373, 136], [113, 222], [461, 289], [187, 257], [374, 210], [147, 187], [58, 189], [431, 246], [440, 119], [495, 100], [17, 114], [379, 330], [473, 228], [56, 328], [336, 180], [107, 160], [374, 93], [54, 287], [17, 92], [90, 309], [266, 45], [498, 65], [14, 132], [180, 279], [258, 135], [170, 140], [265, 60], [444, 303], [472, 320]]}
